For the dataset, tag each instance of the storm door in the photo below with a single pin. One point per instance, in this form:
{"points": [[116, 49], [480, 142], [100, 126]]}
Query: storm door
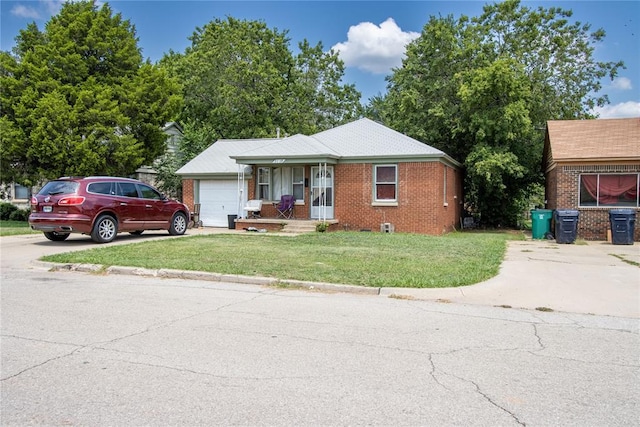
{"points": [[322, 192]]}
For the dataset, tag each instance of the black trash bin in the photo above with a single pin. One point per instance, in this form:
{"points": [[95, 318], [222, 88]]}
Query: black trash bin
{"points": [[232, 221], [622, 226], [566, 225]]}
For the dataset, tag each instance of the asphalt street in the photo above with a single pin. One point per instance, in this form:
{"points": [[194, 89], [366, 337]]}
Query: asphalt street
{"points": [[82, 348]]}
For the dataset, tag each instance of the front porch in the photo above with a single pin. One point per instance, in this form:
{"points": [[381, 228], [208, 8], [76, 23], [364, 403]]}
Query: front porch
{"points": [[284, 225]]}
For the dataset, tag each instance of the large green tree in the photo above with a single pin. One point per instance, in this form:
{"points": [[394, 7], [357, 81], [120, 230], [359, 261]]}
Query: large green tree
{"points": [[78, 99], [241, 80], [481, 89]]}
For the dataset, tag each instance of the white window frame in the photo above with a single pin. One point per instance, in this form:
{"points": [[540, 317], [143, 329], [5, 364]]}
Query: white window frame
{"points": [[283, 178], [597, 204], [263, 186], [376, 183]]}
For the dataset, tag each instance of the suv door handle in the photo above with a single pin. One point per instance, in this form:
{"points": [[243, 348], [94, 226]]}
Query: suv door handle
{"points": [[123, 204]]}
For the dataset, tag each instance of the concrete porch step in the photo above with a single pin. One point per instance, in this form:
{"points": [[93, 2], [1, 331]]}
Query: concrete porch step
{"points": [[299, 226]]}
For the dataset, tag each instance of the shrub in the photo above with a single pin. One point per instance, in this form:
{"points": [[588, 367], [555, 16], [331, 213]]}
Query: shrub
{"points": [[19, 215], [6, 209], [321, 227]]}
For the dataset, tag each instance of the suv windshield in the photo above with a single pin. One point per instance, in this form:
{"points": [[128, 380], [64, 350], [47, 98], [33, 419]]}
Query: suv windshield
{"points": [[59, 187]]}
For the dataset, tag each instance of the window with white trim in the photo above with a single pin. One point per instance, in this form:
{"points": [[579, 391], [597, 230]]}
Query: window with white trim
{"points": [[264, 183], [385, 183], [274, 183], [608, 190]]}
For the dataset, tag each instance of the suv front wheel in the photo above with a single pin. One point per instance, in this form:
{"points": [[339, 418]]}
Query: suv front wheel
{"points": [[178, 224], [105, 229]]}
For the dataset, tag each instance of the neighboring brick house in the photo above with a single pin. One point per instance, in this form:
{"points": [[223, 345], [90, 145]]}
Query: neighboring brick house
{"points": [[358, 176], [593, 166]]}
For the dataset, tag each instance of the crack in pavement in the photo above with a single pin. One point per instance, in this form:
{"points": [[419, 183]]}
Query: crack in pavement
{"points": [[98, 344], [486, 396]]}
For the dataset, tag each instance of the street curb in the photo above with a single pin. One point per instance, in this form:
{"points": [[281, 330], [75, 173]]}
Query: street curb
{"points": [[165, 273]]}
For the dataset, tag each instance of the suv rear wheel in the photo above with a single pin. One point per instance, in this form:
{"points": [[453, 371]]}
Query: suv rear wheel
{"points": [[105, 229], [178, 224], [55, 236]]}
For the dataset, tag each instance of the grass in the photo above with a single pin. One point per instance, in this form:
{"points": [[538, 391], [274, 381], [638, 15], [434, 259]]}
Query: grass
{"points": [[628, 261], [366, 259], [13, 228]]}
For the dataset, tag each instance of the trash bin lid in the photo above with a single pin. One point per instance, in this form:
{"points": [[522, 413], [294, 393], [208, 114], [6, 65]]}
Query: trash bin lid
{"points": [[567, 212], [625, 212]]}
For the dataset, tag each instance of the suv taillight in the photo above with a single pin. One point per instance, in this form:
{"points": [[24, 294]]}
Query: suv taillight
{"points": [[71, 201], [34, 201]]}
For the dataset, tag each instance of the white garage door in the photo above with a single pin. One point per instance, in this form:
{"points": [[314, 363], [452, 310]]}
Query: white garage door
{"points": [[218, 199]]}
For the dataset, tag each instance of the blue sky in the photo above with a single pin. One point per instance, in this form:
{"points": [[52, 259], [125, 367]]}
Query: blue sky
{"points": [[370, 35]]}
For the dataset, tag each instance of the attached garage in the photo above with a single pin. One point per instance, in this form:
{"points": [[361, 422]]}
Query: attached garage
{"points": [[216, 179], [218, 199]]}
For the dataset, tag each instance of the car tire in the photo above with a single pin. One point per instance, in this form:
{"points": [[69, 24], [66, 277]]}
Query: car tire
{"points": [[104, 229], [136, 233], [178, 224], [54, 236]]}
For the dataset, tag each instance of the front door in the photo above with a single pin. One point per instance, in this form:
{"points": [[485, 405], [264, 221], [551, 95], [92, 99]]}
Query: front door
{"points": [[322, 192]]}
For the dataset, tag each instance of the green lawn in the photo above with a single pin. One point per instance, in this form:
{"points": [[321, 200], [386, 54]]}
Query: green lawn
{"points": [[12, 228], [367, 259]]}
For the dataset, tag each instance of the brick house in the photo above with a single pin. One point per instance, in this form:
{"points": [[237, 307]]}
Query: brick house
{"points": [[593, 166], [358, 176]]}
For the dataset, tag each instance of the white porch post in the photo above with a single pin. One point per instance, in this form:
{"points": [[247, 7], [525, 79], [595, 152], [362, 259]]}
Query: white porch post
{"points": [[240, 190]]}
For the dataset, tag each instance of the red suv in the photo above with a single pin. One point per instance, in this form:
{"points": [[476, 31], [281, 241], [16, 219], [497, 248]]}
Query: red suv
{"points": [[102, 207]]}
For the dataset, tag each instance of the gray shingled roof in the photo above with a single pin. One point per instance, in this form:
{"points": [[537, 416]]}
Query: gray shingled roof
{"points": [[293, 146], [360, 140], [216, 159], [365, 138]]}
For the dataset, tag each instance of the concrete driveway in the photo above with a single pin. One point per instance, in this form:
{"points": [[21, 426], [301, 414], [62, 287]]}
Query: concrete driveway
{"points": [[590, 278]]}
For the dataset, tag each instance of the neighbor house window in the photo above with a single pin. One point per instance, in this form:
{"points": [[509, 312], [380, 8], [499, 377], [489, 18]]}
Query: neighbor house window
{"points": [[274, 183], [386, 183], [609, 190], [21, 192]]}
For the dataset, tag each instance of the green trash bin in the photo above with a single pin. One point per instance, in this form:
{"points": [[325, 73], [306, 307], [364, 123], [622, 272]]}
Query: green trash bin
{"points": [[540, 222]]}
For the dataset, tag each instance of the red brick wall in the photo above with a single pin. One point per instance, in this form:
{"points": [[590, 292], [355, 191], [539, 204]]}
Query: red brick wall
{"points": [[420, 207], [562, 190], [188, 193]]}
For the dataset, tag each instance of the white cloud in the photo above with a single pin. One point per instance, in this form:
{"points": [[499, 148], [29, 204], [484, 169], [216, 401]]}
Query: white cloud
{"points": [[23, 11], [43, 9], [52, 6], [621, 83], [617, 111], [373, 48]]}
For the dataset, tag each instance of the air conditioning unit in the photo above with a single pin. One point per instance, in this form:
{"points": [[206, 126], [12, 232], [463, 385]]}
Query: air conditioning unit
{"points": [[386, 227]]}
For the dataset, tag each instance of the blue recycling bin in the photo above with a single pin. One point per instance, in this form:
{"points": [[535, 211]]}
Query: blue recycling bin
{"points": [[566, 225], [622, 223]]}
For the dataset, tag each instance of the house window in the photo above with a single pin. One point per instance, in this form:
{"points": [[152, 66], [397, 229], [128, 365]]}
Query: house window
{"points": [[274, 183], [264, 183], [21, 192], [298, 183], [609, 190], [386, 183]]}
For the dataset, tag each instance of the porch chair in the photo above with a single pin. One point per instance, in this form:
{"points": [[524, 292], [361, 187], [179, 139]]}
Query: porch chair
{"points": [[253, 208], [285, 207]]}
